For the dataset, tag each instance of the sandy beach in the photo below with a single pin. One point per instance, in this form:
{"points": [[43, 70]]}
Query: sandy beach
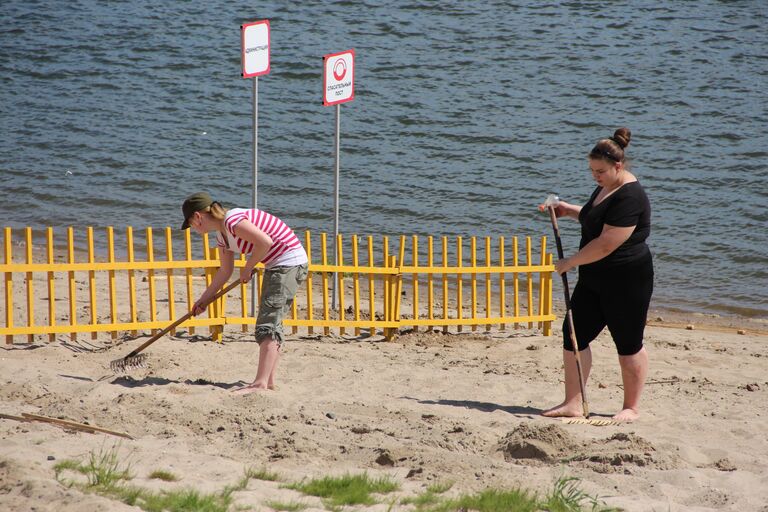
{"points": [[459, 408]]}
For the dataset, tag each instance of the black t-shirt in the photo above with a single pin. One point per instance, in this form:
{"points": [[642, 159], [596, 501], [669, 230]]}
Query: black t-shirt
{"points": [[628, 206]]}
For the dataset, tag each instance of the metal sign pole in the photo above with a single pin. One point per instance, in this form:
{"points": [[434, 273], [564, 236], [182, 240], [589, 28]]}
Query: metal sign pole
{"points": [[254, 41], [254, 281], [336, 210]]}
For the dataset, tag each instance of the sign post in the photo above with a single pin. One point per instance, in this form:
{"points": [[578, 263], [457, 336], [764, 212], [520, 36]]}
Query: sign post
{"points": [[254, 39], [338, 88]]}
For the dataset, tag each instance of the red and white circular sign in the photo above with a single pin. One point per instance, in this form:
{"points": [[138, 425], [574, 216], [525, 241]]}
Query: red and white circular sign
{"points": [[338, 77]]}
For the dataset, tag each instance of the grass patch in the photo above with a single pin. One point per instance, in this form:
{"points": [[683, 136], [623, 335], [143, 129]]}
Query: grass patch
{"points": [[261, 474], [106, 476], [187, 500], [491, 500], [102, 473], [429, 496], [101, 469], [293, 506], [165, 476], [565, 497], [439, 488], [347, 489]]}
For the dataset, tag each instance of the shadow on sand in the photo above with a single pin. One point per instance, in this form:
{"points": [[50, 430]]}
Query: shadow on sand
{"points": [[130, 382], [516, 410]]}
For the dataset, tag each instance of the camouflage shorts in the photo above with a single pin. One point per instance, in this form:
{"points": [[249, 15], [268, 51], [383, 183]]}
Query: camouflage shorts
{"points": [[278, 288]]}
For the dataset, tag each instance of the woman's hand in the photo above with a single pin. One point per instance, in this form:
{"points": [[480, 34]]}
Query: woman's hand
{"points": [[564, 265], [246, 274], [199, 306], [563, 209]]}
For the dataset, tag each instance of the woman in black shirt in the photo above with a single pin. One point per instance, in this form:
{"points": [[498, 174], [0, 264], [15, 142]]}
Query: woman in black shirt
{"points": [[615, 275]]}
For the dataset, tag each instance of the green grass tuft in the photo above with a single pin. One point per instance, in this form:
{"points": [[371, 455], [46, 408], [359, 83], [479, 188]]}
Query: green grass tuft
{"points": [[262, 474], [347, 489], [188, 500], [293, 506], [492, 500], [439, 488], [66, 465], [567, 497], [165, 476], [102, 469], [105, 476]]}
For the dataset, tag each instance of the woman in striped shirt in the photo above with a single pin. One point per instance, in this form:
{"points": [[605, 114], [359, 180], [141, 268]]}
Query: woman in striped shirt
{"points": [[264, 238]]}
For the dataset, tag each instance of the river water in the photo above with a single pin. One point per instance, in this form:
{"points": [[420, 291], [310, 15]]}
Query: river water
{"points": [[466, 115]]}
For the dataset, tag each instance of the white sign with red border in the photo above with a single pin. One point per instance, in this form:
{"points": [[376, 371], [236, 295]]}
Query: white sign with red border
{"points": [[338, 77], [255, 48]]}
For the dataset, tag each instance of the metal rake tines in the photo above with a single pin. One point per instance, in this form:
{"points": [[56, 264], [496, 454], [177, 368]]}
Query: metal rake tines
{"points": [[590, 421], [128, 363]]}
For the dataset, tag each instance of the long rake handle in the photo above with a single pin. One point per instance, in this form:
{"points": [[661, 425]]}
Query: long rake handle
{"points": [[182, 319], [569, 314]]}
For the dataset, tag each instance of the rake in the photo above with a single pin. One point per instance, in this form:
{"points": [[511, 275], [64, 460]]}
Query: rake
{"points": [[551, 203], [137, 360]]}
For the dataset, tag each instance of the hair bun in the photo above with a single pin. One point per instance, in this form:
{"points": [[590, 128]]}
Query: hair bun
{"points": [[622, 136]]}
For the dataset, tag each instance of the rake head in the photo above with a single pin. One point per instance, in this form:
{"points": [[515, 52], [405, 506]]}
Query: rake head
{"points": [[127, 363], [590, 421]]}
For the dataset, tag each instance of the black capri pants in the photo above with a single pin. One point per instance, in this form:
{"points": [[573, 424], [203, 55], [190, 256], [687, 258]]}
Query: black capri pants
{"points": [[616, 298]]}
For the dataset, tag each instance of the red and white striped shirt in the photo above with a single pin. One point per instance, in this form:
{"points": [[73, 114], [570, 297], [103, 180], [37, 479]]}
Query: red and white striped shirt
{"points": [[286, 248]]}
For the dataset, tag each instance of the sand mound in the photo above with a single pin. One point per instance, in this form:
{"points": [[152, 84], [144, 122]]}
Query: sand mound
{"points": [[547, 443], [623, 450], [553, 444]]}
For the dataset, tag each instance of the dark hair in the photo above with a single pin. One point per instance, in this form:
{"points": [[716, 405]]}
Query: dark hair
{"points": [[612, 149]]}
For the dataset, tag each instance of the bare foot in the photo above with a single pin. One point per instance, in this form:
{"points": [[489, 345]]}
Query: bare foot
{"points": [[250, 388], [564, 410], [627, 415]]}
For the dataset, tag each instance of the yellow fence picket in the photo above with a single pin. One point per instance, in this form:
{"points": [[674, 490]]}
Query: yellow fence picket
{"points": [[92, 282], [8, 283], [112, 290], [30, 286], [71, 281]]}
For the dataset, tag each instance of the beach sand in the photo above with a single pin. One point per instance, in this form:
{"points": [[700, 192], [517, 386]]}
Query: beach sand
{"points": [[425, 408]]}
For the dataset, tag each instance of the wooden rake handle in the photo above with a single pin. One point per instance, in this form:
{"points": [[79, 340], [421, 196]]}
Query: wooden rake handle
{"points": [[182, 319], [569, 314]]}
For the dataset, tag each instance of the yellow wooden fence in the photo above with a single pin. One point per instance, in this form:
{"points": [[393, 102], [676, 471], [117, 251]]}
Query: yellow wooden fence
{"points": [[381, 292]]}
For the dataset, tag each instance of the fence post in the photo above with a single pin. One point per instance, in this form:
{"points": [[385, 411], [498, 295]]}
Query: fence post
{"points": [[542, 278], [548, 308], [8, 286], [371, 289], [30, 288], [324, 261], [310, 306], [151, 277], [339, 282], [169, 277], [415, 292], [72, 287], [92, 281], [111, 277], [459, 282], [502, 291], [131, 278]]}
